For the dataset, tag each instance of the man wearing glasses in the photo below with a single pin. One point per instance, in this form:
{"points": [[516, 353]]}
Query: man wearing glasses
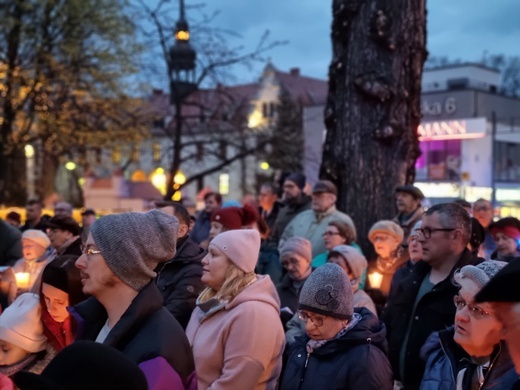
{"points": [[423, 302]]}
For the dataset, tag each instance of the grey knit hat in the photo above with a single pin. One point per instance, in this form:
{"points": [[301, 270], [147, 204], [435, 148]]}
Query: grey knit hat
{"points": [[133, 244], [353, 257], [482, 273], [298, 245], [328, 291]]}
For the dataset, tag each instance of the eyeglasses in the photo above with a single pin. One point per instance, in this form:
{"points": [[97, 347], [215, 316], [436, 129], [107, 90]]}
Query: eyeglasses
{"points": [[89, 251], [326, 234], [381, 237], [317, 321], [484, 208], [427, 232], [474, 310]]}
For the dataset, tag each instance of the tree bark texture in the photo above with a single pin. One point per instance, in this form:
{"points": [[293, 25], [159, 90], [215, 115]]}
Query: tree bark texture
{"points": [[373, 107]]}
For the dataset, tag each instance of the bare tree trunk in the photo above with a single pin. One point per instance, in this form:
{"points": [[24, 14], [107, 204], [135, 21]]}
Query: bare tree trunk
{"points": [[373, 107]]}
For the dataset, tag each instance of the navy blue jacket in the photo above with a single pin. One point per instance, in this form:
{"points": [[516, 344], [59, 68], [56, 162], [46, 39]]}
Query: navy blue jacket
{"points": [[357, 360], [200, 231], [445, 358]]}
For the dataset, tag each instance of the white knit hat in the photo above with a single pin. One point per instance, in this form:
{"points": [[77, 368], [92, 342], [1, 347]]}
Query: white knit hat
{"points": [[37, 236], [20, 324], [241, 247]]}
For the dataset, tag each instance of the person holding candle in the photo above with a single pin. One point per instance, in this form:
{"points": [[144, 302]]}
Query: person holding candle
{"points": [[37, 253], [60, 288], [386, 236]]}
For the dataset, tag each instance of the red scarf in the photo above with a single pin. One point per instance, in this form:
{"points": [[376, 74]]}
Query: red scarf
{"points": [[59, 334]]}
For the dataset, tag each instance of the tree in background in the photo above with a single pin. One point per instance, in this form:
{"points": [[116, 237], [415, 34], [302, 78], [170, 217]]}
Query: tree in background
{"points": [[286, 142], [64, 71], [215, 59], [373, 107]]}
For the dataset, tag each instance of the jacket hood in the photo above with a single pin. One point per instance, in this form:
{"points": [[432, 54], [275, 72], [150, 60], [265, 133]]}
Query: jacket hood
{"points": [[369, 330], [189, 251], [261, 290]]}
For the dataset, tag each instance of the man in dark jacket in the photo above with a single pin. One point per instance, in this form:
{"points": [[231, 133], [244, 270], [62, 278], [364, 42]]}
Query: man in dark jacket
{"points": [[64, 233], [423, 302], [125, 310], [10, 244], [33, 216], [200, 232], [179, 278], [295, 201]]}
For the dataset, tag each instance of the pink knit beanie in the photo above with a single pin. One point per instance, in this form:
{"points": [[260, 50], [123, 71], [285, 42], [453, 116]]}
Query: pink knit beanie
{"points": [[241, 247]]}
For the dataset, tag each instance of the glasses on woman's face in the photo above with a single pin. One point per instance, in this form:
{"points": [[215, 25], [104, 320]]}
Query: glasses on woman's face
{"points": [[89, 251], [474, 310], [317, 321]]}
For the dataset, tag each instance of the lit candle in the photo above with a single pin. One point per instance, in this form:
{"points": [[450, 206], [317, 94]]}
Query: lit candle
{"points": [[22, 279], [375, 279]]}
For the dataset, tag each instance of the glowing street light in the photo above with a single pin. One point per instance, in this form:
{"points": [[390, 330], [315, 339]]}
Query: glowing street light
{"points": [[70, 166]]}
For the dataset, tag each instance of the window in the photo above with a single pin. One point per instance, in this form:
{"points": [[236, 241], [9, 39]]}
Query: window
{"points": [[223, 183], [156, 152], [116, 155], [507, 162], [135, 154], [440, 160]]}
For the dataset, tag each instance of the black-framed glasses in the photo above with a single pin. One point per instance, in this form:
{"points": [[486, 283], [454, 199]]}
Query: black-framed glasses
{"points": [[474, 310], [89, 251], [316, 320], [427, 232]]}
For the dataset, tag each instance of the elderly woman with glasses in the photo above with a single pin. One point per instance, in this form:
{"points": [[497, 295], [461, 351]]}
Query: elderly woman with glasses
{"points": [[344, 347], [469, 355]]}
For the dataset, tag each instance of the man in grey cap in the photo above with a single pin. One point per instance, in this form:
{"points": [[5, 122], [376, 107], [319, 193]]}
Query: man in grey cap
{"points": [[311, 224], [126, 309], [408, 202]]}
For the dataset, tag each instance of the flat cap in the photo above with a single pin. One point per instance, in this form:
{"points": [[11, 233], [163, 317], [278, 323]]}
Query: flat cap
{"points": [[412, 190], [63, 222], [325, 186]]}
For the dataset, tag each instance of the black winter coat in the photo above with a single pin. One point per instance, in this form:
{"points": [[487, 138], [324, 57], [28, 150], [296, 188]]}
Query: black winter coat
{"points": [[357, 360], [286, 215], [179, 281], [145, 332], [434, 312]]}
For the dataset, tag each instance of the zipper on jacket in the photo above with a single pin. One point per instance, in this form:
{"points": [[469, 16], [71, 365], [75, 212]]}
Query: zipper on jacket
{"points": [[304, 369]]}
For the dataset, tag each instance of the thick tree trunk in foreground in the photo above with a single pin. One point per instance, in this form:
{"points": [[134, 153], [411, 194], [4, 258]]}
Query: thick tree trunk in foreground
{"points": [[373, 107]]}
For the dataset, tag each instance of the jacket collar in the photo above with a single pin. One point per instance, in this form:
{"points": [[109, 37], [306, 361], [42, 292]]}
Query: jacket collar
{"points": [[91, 316]]}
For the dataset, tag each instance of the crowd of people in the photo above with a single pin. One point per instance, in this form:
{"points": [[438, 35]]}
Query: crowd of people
{"points": [[270, 295]]}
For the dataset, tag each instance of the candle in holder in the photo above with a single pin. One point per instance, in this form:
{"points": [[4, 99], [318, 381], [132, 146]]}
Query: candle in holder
{"points": [[375, 279], [22, 279]]}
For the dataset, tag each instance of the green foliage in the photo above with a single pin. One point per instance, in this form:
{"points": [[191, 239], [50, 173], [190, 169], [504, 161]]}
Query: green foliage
{"points": [[287, 144]]}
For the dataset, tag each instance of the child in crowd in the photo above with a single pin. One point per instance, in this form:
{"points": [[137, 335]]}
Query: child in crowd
{"points": [[22, 340]]}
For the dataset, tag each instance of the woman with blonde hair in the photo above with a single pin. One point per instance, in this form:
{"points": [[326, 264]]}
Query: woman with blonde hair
{"points": [[235, 330]]}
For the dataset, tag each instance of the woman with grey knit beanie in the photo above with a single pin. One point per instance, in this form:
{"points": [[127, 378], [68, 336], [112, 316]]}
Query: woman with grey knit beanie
{"points": [[470, 354], [344, 347]]}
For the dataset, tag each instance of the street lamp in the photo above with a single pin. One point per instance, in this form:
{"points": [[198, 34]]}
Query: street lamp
{"points": [[181, 65]]}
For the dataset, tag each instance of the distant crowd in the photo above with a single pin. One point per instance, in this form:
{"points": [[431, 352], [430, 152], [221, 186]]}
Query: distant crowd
{"points": [[274, 293]]}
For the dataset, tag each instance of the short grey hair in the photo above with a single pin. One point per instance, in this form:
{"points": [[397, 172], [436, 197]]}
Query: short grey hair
{"points": [[453, 215]]}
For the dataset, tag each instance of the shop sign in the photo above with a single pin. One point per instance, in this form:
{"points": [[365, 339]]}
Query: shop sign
{"points": [[439, 190], [508, 194], [448, 106], [456, 129]]}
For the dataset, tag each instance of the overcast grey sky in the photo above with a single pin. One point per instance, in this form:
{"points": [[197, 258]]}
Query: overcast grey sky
{"points": [[462, 29]]}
